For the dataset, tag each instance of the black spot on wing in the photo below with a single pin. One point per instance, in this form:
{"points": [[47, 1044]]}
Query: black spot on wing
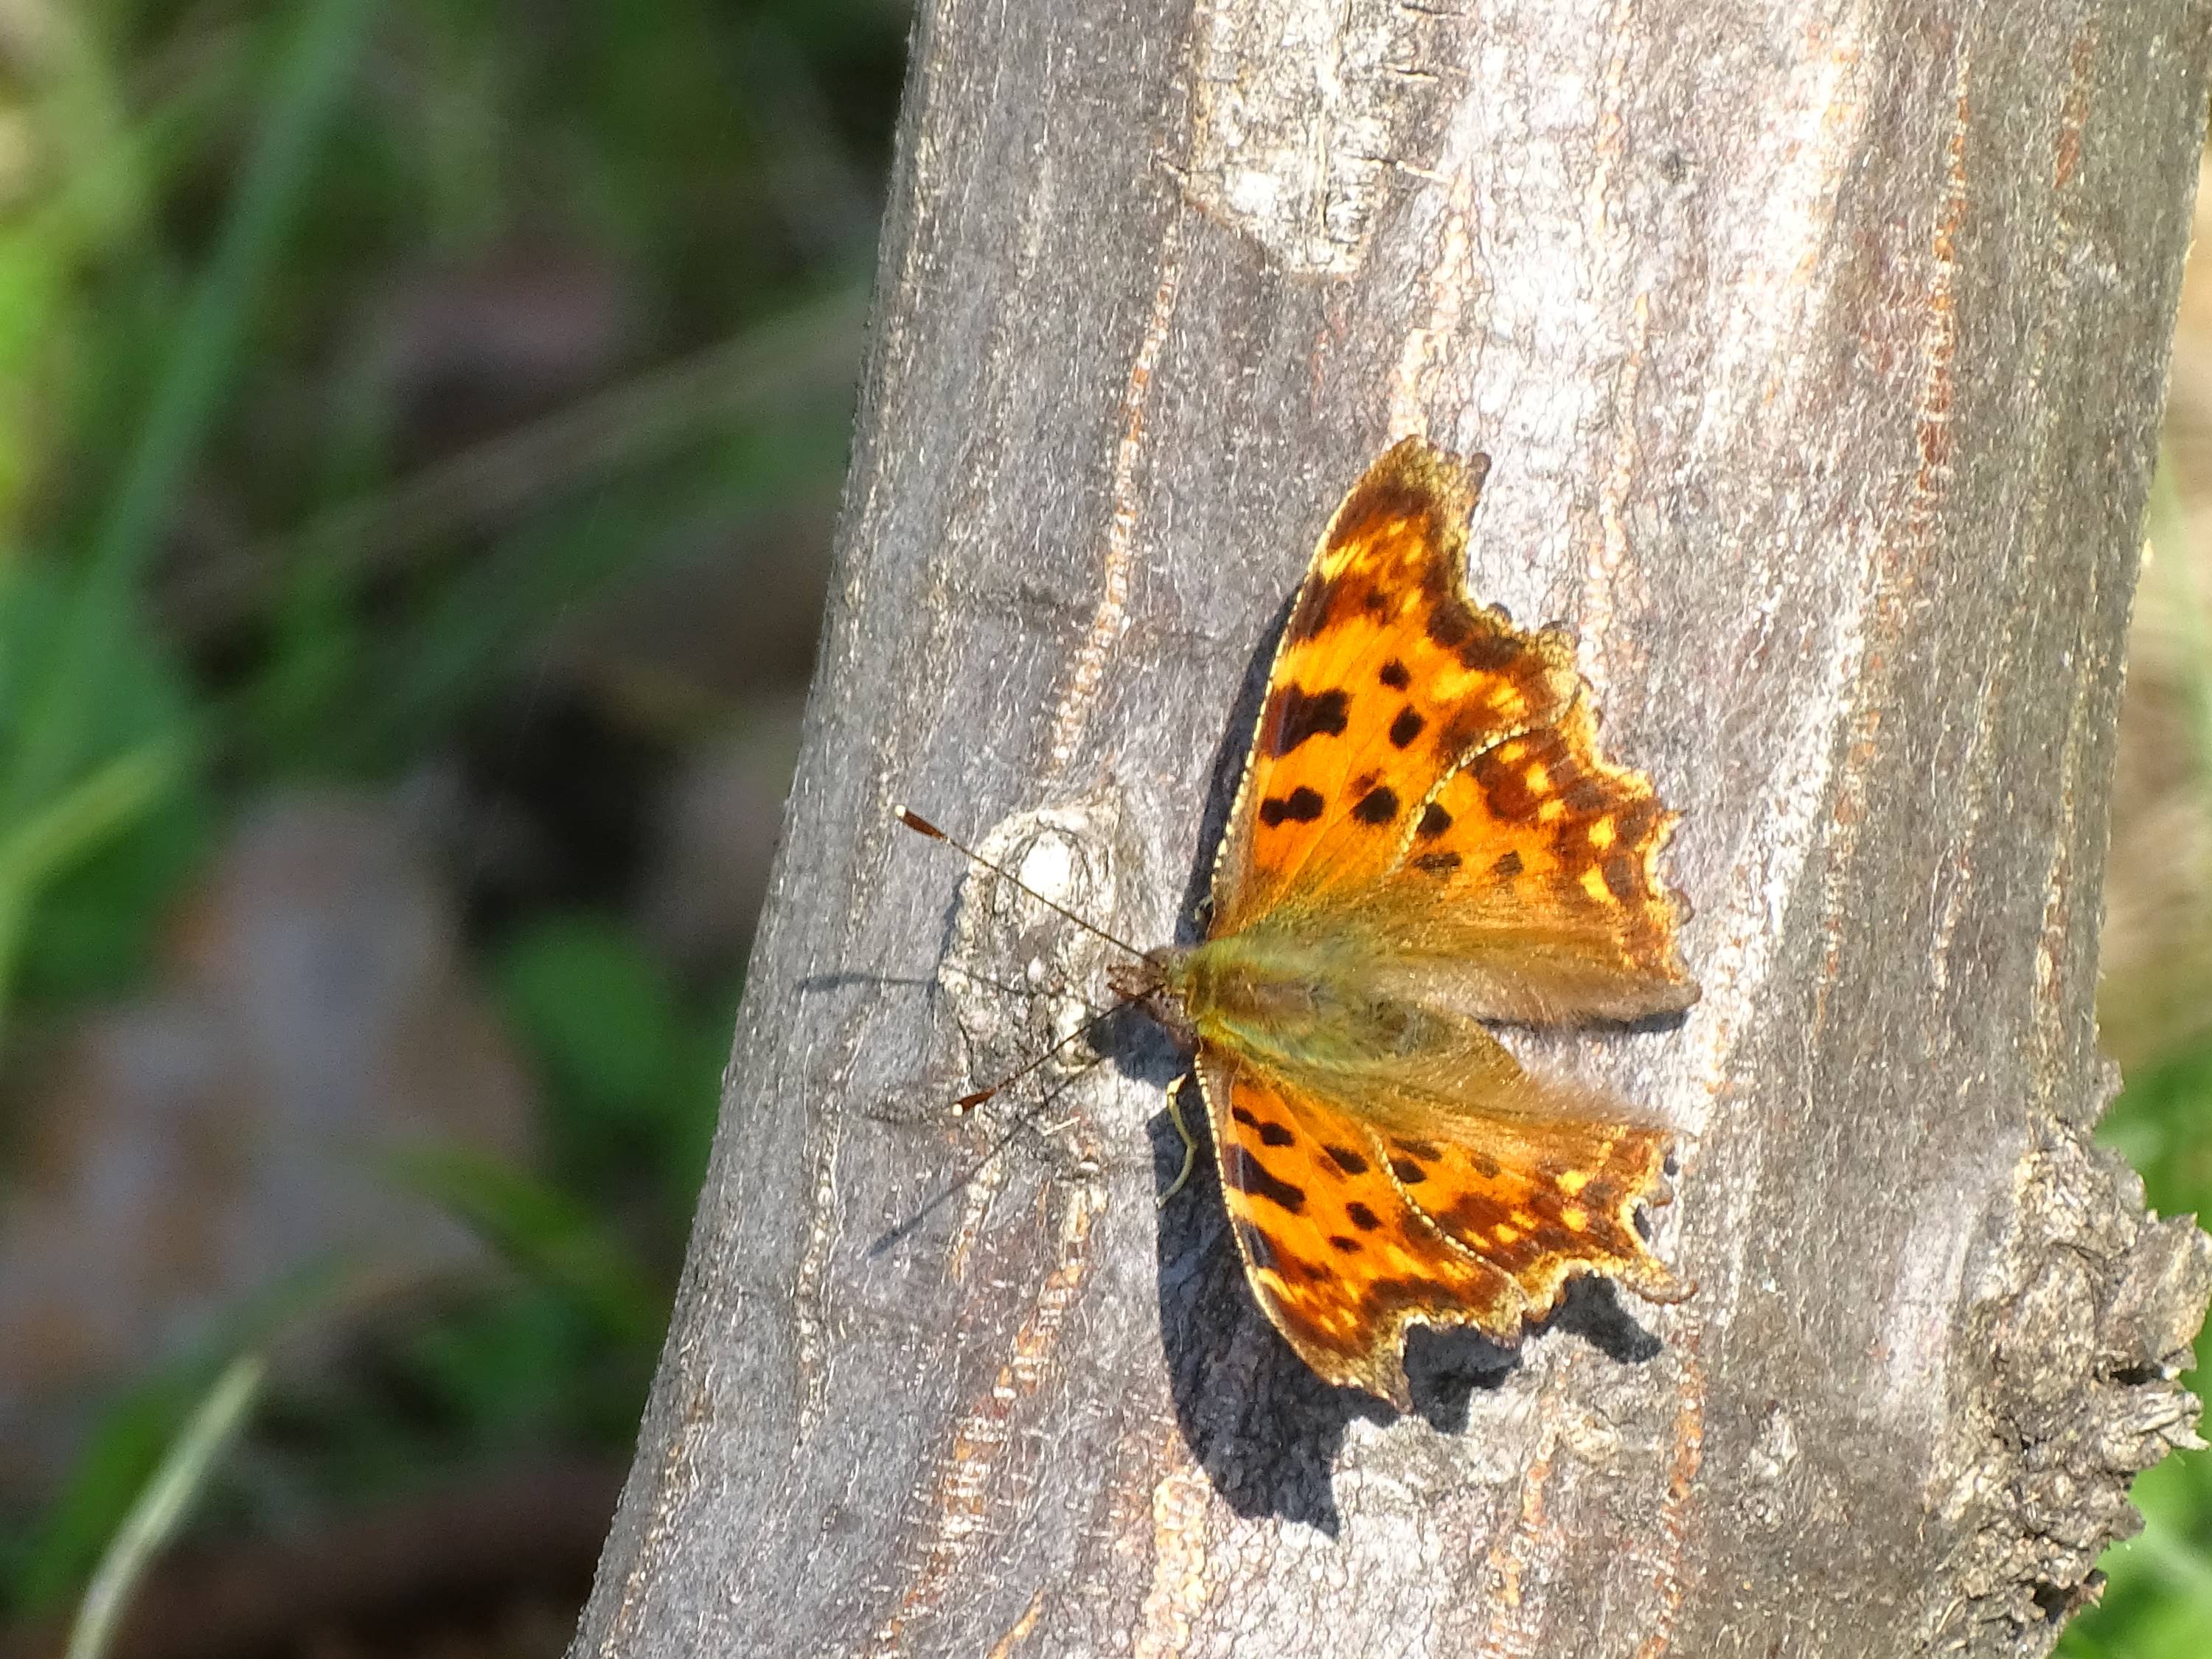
{"points": [[1394, 675], [1377, 806], [1248, 1174], [1346, 1160], [1408, 1171], [1437, 864], [1270, 1134], [1434, 821], [1362, 1218], [1344, 1246], [1409, 725], [1507, 866], [1293, 716], [1301, 806]]}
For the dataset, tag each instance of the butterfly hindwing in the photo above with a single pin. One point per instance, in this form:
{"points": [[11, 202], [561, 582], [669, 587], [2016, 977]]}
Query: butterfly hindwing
{"points": [[1350, 1233], [1338, 1258], [1547, 858], [1541, 1203]]}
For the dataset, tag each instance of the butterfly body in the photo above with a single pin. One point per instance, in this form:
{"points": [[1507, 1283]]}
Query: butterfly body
{"points": [[1335, 1017], [1426, 838]]}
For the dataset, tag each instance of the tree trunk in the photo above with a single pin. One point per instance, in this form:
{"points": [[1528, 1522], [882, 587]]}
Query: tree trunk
{"points": [[1820, 359]]}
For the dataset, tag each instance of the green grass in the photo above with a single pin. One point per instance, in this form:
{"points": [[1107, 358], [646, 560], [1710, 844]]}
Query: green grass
{"points": [[163, 1503]]}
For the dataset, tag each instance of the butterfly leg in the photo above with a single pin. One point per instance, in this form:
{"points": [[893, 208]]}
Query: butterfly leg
{"points": [[1189, 1146]]}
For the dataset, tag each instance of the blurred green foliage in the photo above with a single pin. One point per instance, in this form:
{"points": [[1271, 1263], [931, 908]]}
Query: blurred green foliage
{"points": [[2158, 1598], [241, 549], [626, 1058]]}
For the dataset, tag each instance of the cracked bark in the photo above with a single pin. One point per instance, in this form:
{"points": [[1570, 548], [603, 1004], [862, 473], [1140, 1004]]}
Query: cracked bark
{"points": [[1820, 360]]}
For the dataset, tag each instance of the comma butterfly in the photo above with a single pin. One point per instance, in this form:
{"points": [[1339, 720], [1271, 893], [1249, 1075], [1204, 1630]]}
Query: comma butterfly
{"points": [[1425, 838]]}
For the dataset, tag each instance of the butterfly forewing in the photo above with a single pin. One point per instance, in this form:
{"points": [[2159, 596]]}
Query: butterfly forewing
{"points": [[1386, 677]]}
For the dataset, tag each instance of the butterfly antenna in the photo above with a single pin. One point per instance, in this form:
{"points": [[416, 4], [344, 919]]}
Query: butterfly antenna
{"points": [[968, 1103], [922, 826]]}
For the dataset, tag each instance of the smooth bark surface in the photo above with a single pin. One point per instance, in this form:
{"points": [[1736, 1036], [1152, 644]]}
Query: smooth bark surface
{"points": [[1819, 354]]}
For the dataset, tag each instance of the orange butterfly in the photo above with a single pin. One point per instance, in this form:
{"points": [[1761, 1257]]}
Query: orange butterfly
{"points": [[1425, 838]]}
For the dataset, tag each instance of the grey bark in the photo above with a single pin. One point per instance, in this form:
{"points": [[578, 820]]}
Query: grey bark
{"points": [[1820, 352]]}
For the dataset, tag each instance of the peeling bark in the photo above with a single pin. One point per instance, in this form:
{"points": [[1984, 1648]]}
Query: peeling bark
{"points": [[1820, 359]]}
